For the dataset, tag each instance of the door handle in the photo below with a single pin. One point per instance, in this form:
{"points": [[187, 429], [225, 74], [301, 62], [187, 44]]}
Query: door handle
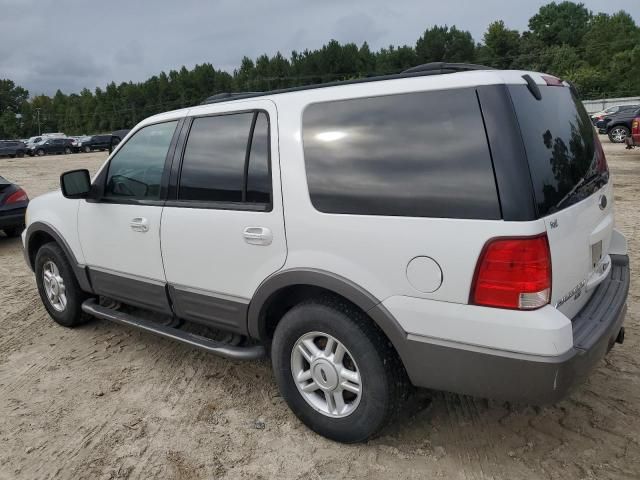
{"points": [[257, 236], [139, 224]]}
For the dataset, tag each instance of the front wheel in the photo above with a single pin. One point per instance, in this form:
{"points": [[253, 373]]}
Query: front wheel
{"points": [[58, 287], [336, 371], [67, 151], [40, 152], [618, 134], [87, 149]]}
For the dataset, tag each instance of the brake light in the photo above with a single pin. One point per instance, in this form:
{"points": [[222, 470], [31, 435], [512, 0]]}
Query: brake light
{"points": [[601, 159], [18, 196], [513, 272]]}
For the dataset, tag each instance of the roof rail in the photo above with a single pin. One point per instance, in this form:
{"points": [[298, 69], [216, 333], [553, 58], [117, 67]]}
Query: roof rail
{"points": [[220, 97], [435, 68], [438, 68]]}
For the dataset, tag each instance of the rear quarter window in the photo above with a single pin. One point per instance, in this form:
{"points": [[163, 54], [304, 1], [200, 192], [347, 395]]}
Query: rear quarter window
{"points": [[421, 154]]}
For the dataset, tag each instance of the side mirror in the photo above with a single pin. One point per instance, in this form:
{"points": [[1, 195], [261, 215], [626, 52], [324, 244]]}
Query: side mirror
{"points": [[75, 184]]}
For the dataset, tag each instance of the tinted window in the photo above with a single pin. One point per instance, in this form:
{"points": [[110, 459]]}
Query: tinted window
{"points": [[560, 144], [136, 170], [419, 154], [258, 175], [215, 167]]}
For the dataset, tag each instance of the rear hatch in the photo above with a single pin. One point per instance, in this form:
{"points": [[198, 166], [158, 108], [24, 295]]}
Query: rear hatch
{"points": [[571, 187]]}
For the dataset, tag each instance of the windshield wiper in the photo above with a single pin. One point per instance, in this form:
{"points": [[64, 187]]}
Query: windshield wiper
{"points": [[584, 181]]}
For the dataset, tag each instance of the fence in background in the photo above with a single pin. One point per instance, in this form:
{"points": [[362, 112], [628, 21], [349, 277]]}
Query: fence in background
{"points": [[593, 106]]}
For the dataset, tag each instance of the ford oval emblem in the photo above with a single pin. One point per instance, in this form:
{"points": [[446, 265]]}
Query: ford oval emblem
{"points": [[603, 202]]}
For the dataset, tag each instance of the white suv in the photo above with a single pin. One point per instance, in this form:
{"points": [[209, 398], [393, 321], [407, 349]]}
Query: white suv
{"points": [[450, 227]]}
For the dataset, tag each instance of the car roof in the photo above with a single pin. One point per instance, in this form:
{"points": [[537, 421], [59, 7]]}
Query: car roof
{"points": [[401, 83]]}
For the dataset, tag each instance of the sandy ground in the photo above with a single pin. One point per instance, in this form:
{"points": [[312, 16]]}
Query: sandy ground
{"points": [[105, 401]]}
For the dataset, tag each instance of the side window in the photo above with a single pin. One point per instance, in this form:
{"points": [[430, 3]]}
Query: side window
{"points": [[422, 154], [136, 170], [223, 163]]}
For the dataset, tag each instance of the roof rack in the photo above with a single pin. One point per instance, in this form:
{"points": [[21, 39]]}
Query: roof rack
{"points": [[439, 68], [434, 68]]}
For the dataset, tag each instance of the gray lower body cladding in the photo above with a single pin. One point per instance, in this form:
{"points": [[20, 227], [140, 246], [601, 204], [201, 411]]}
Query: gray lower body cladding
{"points": [[531, 379]]}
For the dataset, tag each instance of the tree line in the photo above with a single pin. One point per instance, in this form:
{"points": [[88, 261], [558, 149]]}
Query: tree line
{"points": [[599, 53]]}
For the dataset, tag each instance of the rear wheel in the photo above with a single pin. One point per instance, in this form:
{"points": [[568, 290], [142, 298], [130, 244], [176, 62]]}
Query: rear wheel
{"points": [[618, 134], [40, 152], [20, 154], [67, 151], [87, 149], [58, 287], [336, 371]]}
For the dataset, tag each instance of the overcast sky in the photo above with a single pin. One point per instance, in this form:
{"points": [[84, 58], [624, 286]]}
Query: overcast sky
{"points": [[72, 44]]}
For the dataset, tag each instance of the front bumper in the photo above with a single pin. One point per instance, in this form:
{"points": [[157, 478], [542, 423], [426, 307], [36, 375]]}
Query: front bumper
{"points": [[521, 377]]}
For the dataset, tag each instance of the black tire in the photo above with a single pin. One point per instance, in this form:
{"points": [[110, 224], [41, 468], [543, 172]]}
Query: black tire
{"points": [[383, 379], [71, 315], [20, 154], [618, 134], [12, 156], [40, 152], [67, 151], [13, 232], [87, 149]]}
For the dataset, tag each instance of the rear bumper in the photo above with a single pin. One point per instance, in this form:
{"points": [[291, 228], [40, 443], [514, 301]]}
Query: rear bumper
{"points": [[12, 218], [520, 377]]}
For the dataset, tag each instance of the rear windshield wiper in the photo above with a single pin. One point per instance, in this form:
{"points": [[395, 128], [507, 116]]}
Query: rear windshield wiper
{"points": [[583, 182]]}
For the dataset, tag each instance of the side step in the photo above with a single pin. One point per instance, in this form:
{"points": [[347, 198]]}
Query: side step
{"points": [[218, 348]]}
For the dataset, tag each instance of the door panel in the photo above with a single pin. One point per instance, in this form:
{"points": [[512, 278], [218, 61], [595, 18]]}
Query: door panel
{"points": [[120, 232], [116, 250], [217, 253]]}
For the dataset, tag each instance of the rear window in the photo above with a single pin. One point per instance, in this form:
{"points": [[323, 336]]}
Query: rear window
{"points": [[421, 154], [560, 143]]}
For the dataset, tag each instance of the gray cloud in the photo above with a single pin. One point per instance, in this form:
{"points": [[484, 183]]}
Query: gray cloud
{"points": [[72, 44]]}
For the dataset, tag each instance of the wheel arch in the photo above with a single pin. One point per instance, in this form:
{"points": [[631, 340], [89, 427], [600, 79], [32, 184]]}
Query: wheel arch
{"points": [[39, 233], [287, 288]]}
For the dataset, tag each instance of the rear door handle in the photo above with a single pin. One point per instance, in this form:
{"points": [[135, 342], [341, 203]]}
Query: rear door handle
{"points": [[139, 224], [257, 236]]}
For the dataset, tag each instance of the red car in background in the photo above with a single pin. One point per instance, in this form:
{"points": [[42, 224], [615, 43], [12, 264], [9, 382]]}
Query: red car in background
{"points": [[633, 140]]}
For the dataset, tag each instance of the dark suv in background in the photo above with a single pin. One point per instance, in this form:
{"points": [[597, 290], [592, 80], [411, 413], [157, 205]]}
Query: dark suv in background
{"points": [[618, 126], [95, 142], [12, 148], [52, 145]]}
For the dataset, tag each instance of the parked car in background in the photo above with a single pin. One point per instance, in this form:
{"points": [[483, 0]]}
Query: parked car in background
{"points": [[607, 112], [13, 206], [12, 148], [95, 142], [116, 137], [76, 144], [633, 140], [51, 145], [618, 126], [54, 134]]}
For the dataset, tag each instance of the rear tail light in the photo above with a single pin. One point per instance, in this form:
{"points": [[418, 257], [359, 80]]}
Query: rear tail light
{"points": [[18, 196], [513, 272], [601, 159]]}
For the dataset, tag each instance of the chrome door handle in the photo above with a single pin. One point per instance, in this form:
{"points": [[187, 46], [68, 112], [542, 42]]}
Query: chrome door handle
{"points": [[257, 236], [139, 224]]}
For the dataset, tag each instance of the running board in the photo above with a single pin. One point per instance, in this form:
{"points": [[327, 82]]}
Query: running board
{"points": [[218, 348]]}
